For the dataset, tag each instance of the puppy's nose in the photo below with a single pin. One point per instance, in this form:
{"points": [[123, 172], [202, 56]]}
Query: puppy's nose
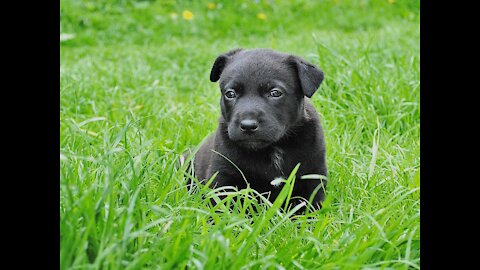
{"points": [[248, 125]]}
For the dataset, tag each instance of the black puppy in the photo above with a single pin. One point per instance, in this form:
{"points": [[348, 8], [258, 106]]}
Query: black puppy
{"points": [[267, 125]]}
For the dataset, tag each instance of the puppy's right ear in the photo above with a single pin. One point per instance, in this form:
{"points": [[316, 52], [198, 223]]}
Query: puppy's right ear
{"points": [[309, 75], [220, 64]]}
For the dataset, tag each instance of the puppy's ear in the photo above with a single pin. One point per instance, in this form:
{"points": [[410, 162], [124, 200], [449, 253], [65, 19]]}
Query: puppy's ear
{"points": [[220, 64], [310, 76]]}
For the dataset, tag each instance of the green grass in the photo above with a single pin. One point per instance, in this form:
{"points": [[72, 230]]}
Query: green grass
{"points": [[135, 93]]}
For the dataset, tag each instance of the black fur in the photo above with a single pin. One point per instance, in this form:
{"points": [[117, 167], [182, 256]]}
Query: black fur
{"points": [[288, 129]]}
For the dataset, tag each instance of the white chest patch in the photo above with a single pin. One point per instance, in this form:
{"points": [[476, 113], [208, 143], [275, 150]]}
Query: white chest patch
{"points": [[277, 182]]}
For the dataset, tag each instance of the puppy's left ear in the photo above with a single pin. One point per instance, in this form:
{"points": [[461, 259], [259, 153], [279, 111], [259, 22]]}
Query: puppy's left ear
{"points": [[310, 76], [220, 64]]}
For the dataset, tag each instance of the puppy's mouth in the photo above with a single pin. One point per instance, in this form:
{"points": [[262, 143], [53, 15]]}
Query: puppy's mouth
{"points": [[256, 139], [253, 144]]}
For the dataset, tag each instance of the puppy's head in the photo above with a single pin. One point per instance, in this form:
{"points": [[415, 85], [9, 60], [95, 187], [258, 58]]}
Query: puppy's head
{"points": [[263, 93]]}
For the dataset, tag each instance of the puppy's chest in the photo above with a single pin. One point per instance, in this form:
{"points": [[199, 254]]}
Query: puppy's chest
{"points": [[262, 169]]}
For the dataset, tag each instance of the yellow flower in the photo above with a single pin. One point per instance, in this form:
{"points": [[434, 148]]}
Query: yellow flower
{"points": [[391, 1], [187, 15], [262, 16], [211, 5], [173, 15]]}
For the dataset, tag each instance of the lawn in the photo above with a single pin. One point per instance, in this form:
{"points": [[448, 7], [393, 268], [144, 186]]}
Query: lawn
{"points": [[135, 93]]}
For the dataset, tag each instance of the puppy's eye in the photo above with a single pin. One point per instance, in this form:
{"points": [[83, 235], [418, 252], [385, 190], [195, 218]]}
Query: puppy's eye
{"points": [[230, 94], [275, 92]]}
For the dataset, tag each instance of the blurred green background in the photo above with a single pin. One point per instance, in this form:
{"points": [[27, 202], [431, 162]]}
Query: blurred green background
{"points": [[233, 22]]}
